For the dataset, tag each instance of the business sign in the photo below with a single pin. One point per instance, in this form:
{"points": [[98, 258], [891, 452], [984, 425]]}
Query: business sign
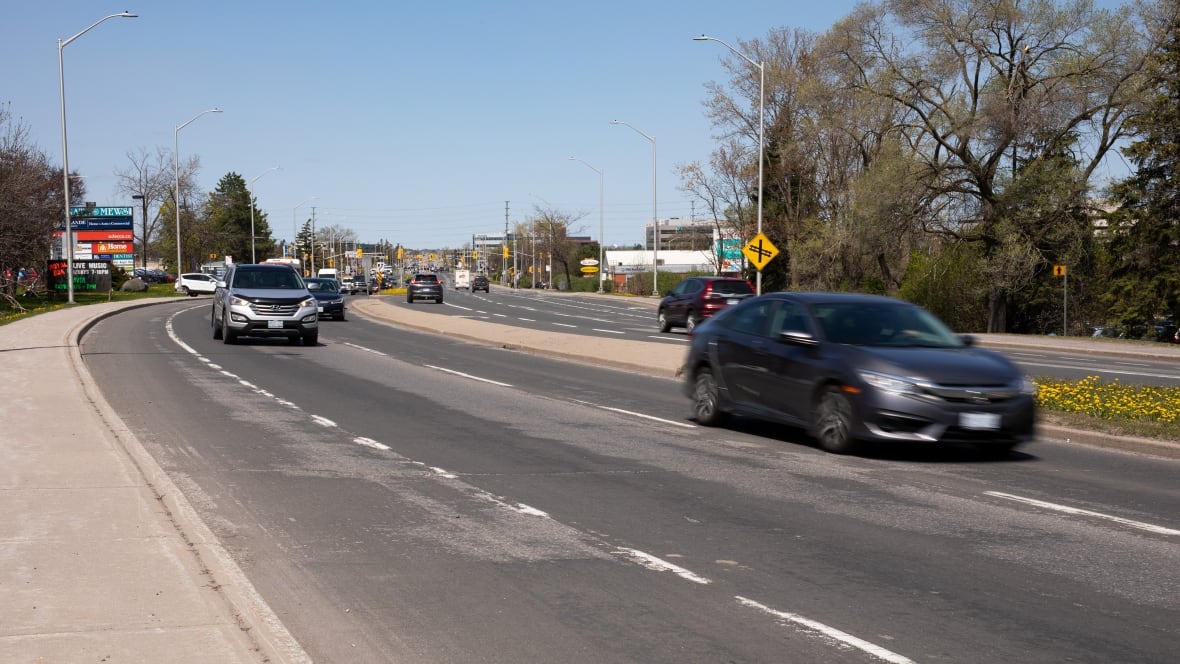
{"points": [[111, 247], [100, 218], [89, 276], [104, 236], [589, 262]]}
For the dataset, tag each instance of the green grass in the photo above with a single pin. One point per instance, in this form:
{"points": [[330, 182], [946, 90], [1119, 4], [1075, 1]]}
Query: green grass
{"points": [[39, 304]]}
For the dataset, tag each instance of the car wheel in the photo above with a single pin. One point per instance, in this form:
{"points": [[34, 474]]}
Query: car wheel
{"points": [[834, 421], [227, 335], [410, 299], [664, 324], [706, 399], [187, 291], [311, 339], [340, 317], [438, 301], [690, 322], [216, 325]]}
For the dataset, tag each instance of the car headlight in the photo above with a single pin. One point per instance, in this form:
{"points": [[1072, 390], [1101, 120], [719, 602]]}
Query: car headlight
{"points": [[236, 301], [338, 300], [888, 383], [309, 303]]}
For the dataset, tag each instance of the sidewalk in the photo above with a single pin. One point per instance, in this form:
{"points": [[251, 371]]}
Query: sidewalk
{"points": [[101, 557]]}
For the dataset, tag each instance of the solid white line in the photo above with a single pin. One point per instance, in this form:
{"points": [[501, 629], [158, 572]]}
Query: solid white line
{"points": [[658, 565], [647, 417], [460, 373], [652, 336], [830, 632], [1160, 530]]}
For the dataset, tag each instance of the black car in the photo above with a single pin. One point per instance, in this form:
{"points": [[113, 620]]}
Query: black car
{"points": [[480, 282], [424, 286], [697, 298], [327, 293], [852, 368]]}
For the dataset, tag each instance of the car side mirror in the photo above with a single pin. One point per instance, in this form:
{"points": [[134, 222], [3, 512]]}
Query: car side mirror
{"points": [[798, 338], [220, 284]]}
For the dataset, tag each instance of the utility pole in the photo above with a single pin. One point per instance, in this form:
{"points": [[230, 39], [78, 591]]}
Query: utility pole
{"points": [[313, 240]]}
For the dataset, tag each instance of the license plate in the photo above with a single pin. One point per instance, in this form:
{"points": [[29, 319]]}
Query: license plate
{"points": [[732, 300], [320, 309], [984, 421], [274, 324]]}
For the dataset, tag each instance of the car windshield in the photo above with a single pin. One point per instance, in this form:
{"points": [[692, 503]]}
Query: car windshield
{"points": [[883, 324], [426, 279], [267, 279]]}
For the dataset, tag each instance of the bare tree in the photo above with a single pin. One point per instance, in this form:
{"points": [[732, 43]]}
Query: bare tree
{"points": [[149, 178]]}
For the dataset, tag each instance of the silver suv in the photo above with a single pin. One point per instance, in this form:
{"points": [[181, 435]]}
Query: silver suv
{"points": [[268, 300]]}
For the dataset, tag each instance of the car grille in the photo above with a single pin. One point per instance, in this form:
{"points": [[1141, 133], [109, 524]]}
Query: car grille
{"points": [[973, 394], [274, 308]]}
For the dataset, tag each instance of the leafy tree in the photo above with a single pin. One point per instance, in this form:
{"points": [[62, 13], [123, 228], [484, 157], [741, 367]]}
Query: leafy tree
{"points": [[982, 81], [1145, 240], [228, 210]]}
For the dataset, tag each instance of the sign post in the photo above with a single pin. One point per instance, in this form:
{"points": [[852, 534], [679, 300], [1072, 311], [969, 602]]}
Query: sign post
{"points": [[760, 251], [1059, 271]]}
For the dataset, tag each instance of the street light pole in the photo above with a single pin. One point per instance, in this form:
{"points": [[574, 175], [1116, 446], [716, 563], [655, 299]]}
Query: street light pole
{"points": [[601, 238], [655, 217], [176, 173], [68, 236], [761, 126], [295, 227], [253, 257], [142, 199]]}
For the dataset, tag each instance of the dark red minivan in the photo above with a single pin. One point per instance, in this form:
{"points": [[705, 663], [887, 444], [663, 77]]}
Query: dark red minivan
{"points": [[696, 298]]}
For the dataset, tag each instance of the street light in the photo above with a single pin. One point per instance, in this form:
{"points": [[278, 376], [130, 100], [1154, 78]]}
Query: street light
{"points": [[253, 258], [601, 238], [176, 172], [295, 226], [68, 238], [761, 125], [655, 217], [143, 199]]}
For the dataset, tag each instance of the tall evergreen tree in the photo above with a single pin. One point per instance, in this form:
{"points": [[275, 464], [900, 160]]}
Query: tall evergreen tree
{"points": [[1145, 229]]}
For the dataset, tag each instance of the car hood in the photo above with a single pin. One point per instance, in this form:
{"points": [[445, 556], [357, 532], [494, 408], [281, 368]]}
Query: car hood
{"points": [[325, 295], [945, 366], [272, 293]]}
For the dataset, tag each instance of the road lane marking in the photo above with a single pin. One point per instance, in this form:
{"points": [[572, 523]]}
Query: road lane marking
{"points": [[595, 329], [830, 632], [466, 375], [659, 565], [652, 336], [564, 325], [369, 442], [1159, 530], [367, 350]]}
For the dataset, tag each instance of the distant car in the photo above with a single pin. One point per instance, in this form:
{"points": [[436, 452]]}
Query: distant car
{"points": [[424, 286], [327, 293], [374, 287], [264, 300], [480, 282], [360, 285], [850, 368], [697, 298], [153, 275], [195, 283]]}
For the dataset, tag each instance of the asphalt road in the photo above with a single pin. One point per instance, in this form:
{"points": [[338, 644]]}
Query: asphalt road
{"points": [[401, 497]]}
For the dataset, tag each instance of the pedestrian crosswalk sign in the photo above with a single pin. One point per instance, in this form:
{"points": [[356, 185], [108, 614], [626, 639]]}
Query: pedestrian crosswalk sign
{"points": [[760, 251]]}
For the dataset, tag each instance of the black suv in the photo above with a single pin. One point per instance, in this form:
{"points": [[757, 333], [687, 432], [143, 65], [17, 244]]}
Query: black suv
{"points": [[424, 286], [480, 282], [696, 298], [266, 300]]}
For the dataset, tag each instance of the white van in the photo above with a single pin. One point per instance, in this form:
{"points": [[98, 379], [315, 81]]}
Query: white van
{"points": [[328, 273]]}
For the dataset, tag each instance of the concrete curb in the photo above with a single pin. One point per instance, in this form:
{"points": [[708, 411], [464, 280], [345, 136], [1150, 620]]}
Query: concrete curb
{"points": [[251, 613]]}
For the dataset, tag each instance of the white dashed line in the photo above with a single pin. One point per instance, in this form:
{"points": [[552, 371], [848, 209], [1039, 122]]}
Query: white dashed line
{"points": [[830, 632], [659, 565], [1159, 530]]}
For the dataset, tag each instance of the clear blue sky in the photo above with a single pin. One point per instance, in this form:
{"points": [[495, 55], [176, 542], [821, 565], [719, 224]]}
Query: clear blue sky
{"points": [[409, 122]]}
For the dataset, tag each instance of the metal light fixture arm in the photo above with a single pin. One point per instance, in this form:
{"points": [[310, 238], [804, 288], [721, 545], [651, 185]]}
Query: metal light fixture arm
{"points": [[761, 125], [655, 217], [176, 174], [68, 236], [253, 256], [601, 239]]}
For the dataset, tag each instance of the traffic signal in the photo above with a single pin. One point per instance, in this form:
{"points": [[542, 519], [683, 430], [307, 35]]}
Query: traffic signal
{"points": [[505, 251], [360, 252]]}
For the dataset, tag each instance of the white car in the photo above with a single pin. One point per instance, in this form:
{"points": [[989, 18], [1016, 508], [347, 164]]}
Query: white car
{"points": [[195, 283]]}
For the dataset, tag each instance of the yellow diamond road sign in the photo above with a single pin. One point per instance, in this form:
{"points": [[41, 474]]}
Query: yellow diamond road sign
{"points": [[760, 251]]}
